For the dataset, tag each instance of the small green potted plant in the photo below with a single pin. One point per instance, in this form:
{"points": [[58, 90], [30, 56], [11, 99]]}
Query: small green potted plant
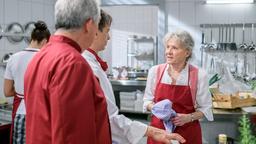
{"points": [[245, 130]]}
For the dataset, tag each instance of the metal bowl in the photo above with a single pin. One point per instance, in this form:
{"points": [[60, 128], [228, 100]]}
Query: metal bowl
{"points": [[15, 32], [28, 30]]}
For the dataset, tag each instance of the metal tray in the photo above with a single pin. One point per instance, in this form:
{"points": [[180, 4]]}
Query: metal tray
{"points": [[6, 112]]}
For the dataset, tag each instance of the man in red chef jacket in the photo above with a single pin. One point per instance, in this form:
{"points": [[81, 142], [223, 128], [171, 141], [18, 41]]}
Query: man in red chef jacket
{"points": [[64, 101]]}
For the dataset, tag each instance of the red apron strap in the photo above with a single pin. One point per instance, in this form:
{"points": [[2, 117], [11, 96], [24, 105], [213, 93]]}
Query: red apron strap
{"points": [[16, 103], [160, 72], [193, 79], [19, 95]]}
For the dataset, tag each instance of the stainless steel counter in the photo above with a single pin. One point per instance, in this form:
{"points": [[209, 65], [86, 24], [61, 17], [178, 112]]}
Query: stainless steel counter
{"points": [[131, 85], [226, 114], [128, 85]]}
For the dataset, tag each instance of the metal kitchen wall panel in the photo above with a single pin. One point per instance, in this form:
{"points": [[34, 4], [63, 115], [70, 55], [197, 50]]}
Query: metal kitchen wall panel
{"points": [[1, 11], [10, 11], [49, 15], [37, 10], [25, 15], [22, 11]]}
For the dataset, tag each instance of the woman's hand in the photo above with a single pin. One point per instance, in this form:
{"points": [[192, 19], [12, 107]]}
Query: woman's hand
{"points": [[149, 107], [181, 119]]}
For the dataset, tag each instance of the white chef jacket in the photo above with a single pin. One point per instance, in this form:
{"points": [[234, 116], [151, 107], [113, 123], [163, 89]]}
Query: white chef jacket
{"points": [[203, 97], [123, 130], [15, 70]]}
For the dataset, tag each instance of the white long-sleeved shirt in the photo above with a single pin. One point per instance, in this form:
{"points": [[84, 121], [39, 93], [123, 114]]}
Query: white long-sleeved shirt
{"points": [[15, 70], [203, 97], [123, 130]]}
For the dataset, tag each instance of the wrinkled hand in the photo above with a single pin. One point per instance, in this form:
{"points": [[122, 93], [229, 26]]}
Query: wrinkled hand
{"points": [[163, 136], [181, 119]]}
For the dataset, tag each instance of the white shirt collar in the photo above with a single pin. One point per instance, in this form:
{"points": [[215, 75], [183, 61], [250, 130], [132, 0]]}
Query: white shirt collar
{"points": [[92, 56], [33, 49], [183, 77]]}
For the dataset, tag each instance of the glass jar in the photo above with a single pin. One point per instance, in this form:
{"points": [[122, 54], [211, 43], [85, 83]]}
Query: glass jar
{"points": [[222, 139]]}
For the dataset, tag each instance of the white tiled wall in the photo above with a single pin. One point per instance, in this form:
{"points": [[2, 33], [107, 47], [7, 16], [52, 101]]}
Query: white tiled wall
{"points": [[137, 19], [22, 11], [26, 14], [182, 14], [128, 20]]}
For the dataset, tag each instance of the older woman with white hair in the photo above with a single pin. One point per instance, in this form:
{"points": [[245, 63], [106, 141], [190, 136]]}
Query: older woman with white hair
{"points": [[185, 85]]}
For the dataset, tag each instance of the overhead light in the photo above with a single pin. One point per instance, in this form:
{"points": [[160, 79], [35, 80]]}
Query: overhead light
{"points": [[228, 1]]}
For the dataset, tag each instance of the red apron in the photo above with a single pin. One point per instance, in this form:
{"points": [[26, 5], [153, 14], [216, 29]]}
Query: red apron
{"points": [[183, 102], [16, 103]]}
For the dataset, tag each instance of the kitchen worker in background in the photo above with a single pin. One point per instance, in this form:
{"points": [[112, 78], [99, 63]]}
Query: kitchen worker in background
{"points": [[14, 79], [123, 130], [185, 85], [64, 101]]}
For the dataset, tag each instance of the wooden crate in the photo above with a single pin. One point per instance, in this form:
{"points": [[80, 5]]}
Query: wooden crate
{"points": [[240, 99]]}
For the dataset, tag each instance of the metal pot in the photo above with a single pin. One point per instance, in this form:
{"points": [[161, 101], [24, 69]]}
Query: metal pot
{"points": [[135, 74], [6, 57], [15, 32], [28, 30], [231, 46]]}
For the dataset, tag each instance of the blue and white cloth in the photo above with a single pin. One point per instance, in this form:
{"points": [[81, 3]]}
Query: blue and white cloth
{"points": [[163, 110]]}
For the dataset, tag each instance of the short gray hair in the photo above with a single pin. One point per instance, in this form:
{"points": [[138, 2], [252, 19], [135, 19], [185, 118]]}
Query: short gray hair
{"points": [[184, 37], [72, 14]]}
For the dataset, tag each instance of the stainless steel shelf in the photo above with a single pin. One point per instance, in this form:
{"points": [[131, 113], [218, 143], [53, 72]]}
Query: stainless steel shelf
{"points": [[225, 25], [228, 51], [128, 82]]}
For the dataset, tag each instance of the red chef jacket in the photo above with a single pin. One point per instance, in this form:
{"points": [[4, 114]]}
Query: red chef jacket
{"points": [[64, 101]]}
